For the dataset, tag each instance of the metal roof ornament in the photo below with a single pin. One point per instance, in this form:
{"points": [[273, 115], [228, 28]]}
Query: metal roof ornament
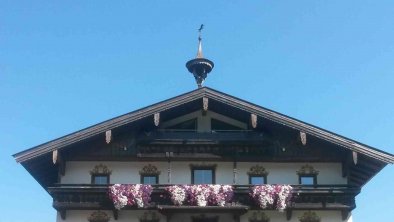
{"points": [[200, 66]]}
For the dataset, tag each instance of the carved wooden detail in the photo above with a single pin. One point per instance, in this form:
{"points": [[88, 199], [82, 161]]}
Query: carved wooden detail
{"points": [[54, 156], [205, 218], [108, 136], [257, 170], [303, 138], [156, 119], [354, 154], [259, 217], [253, 120], [149, 170], [307, 170], [149, 216], [100, 169], [98, 216], [205, 104], [309, 216]]}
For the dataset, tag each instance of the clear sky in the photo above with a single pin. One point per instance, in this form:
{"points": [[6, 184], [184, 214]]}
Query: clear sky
{"points": [[65, 65]]}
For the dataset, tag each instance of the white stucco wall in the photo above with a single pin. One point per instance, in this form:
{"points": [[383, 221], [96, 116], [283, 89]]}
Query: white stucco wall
{"points": [[134, 215], [128, 172]]}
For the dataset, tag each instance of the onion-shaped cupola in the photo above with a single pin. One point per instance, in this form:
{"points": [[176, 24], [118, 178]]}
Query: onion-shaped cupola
{"points": [[200, 66]]}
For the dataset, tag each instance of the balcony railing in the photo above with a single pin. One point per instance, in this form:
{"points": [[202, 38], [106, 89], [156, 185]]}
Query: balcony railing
{"points": [[194, 137], [88, 196]]}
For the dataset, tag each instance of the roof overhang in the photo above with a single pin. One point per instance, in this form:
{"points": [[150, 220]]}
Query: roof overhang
{"points": [[204, 92]]}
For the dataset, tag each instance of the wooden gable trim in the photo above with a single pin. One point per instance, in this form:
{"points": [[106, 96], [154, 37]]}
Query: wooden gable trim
{"points": [[194, 95]]}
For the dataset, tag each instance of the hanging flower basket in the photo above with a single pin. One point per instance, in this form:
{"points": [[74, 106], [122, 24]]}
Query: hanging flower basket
{"points": [[271, 196], [200, 195], [130, 195]]}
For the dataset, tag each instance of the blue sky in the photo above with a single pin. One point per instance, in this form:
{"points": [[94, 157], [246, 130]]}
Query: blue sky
{"points": [[65, 65]]}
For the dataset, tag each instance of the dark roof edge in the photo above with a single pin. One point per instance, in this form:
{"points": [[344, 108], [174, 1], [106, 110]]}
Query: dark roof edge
{"points": [[190, 96], [305, 127], [107, 125]]}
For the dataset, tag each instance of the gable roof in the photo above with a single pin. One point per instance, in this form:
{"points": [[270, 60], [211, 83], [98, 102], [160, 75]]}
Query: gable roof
{"points": [[209, 93]]}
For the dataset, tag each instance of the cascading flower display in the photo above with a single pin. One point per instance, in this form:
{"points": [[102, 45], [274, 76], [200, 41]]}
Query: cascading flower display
{"points": [[271, 196], [177, 194], [201, 195], [130, 194]]}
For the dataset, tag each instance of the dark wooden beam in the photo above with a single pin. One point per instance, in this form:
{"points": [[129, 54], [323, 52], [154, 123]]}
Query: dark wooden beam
{"points": [[345, 215], [115, 213], [289, 214], [62, 214]]}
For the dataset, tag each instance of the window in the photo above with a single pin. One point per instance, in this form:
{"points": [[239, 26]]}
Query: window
{"points": [[257, 175], [307, 175], [100, 179], [100, 174], [203, 175], [149, 174], [307, 180], [257, 179], [149, 179]]}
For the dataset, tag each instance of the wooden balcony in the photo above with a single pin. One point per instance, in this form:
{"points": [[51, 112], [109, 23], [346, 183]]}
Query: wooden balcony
{"points": [[192, 137], [94, 197]]}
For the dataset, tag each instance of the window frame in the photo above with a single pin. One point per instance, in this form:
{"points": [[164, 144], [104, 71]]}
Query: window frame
{"points": [[314, 176], [212, 168], [264, 176], [100, 174], [142, 175], [307, 171]]}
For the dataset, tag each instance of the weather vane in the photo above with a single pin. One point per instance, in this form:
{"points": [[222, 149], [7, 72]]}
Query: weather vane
{"points": [[199, 31], [200, 66]]}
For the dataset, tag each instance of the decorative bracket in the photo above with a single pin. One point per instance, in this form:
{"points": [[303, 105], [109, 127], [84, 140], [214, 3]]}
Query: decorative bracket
{"points": [[62, 214], [56, 159], [257, 170], [55, 154], [98, 216], [309, 216], [204, 218], [253, 120], [108, 136], [345, 215], [355, 157], [149, 217], [307, 169], [303, 138], [259, 217], [100, 169], [149, 170], [156, 119], [205, 104]]}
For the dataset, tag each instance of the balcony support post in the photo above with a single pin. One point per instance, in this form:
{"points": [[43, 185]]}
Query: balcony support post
{"points": [[345, 215], [289, 214], [115, 212], [62, 214]]}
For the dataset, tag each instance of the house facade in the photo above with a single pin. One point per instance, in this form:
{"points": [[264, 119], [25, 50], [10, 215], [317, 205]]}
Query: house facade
{"points": [[204, 137], [203, 156]]}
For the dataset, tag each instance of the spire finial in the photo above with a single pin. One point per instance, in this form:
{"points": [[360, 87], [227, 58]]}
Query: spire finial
{"points": [[199, 67], [199, 51]]}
